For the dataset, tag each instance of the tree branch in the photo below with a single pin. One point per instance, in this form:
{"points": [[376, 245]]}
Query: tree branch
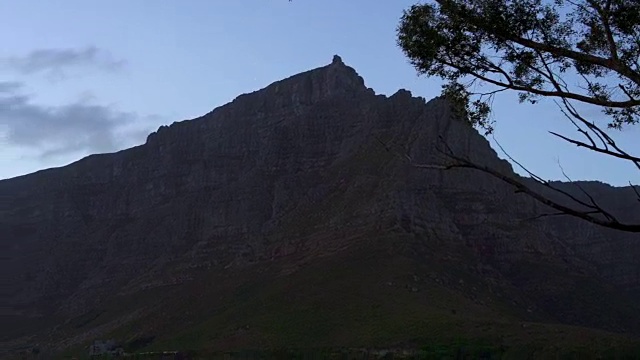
{"points": [[459, 162], [611, 64], [563, 94]]}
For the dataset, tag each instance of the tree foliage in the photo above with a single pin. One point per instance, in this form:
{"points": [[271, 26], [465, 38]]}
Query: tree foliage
{"points": [[531, 46], [571, 51]]}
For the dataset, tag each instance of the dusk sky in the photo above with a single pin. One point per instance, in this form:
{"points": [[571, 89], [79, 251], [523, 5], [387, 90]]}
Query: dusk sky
{"points": [[80, 77]]}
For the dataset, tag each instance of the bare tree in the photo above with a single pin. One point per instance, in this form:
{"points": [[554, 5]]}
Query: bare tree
{"points": [[571, 51]]}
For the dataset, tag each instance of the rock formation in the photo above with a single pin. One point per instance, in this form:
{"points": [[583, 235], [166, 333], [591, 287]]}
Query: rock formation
{"points": [[291, 173]]}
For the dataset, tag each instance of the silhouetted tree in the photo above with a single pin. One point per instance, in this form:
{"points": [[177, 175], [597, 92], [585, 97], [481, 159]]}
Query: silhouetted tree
{"points": [[571, 51]]}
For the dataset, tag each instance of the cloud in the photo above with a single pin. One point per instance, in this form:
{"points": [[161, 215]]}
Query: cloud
{"points": [[9, 86], [51, 131], [56, 63]]}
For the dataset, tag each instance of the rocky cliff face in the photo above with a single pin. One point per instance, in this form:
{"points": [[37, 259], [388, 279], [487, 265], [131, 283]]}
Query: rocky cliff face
{"points": [[296, 170], [612, 252]]}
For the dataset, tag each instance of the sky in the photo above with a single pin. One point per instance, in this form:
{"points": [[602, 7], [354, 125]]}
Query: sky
{"points": [[79, 77]]}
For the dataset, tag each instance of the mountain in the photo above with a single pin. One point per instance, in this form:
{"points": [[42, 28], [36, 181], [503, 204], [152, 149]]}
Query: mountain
{"points": [[290, 218]]}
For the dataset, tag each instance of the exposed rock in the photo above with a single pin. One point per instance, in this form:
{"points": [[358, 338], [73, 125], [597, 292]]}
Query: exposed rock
{"points": [[295, 170]]}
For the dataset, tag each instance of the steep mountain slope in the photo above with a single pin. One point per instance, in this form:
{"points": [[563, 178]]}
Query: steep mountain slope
{"points": [[280, 219]]}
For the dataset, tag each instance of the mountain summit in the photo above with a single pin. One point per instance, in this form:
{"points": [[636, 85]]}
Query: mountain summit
{"points": [[280, 220], [335, 79]]}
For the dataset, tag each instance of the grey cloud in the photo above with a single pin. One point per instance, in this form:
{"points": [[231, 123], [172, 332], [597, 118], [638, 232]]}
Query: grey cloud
{"points": [[9, 86], [58, 130], [57, 62]]}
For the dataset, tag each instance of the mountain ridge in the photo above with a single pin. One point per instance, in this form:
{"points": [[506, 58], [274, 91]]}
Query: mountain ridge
{"points": [[283, 180]]}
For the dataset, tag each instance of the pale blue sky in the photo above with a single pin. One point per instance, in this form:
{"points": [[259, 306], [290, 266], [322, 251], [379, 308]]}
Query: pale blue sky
{"points": [[78, 77]]}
